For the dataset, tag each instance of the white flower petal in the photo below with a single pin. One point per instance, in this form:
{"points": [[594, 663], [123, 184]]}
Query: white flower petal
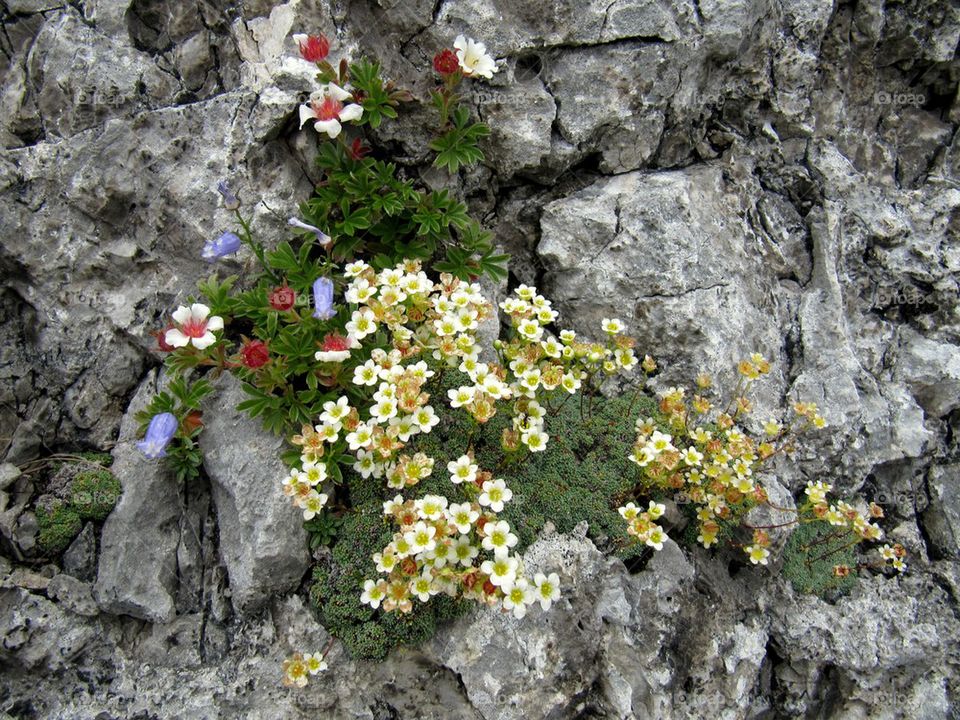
{"points": [[306, 113], [205, 341], [300, 38], [330, 127], [336, 92], [199, 311], [181, 315], [351, 112], [215, 323], [176, 338]]}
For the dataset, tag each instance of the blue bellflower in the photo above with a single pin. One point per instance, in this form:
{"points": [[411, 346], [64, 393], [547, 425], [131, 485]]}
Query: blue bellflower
{"points": [[159, 434], [226, 244], [322, 237], [323, 299]]}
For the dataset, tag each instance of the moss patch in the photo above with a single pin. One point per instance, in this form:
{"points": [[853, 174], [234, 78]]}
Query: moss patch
{"points": [[94, 493], [810, 556], [59, 525]]}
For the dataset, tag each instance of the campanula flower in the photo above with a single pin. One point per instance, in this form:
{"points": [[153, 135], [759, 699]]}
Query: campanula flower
{"points": [[322, 237], [323, 299], [230, 200], [194, 327], [227, 244], [160, 432], [327, 110]]}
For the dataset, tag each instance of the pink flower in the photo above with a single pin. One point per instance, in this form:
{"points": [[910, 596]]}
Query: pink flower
{"points": [[194, 326], [327, 110]]}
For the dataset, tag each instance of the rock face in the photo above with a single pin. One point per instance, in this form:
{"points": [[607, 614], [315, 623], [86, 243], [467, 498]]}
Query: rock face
{"points": [[262, 540], [726, 177], [137, 573]]}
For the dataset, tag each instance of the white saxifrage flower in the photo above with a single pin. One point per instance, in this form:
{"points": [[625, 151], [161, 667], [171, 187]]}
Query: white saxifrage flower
{"points": [[495, 494], [547, 589]]}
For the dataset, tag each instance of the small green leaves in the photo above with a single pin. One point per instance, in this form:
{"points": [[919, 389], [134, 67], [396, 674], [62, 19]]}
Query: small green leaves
{"points": [[217, 294], [458, 146], [377, 100]]}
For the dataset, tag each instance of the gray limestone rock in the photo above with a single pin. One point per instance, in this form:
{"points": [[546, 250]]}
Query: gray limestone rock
{"points": [[262, 539], [80, 559], [137, 571]]}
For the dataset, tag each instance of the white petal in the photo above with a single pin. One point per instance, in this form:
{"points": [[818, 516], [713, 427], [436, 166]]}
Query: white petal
{"points": [[199, 311], [208, 339], [181, 315], [176, 338], [460, 43], [215, 323], [336, 92], [330, 127], [486, 67], [300, 38], [351, 112], [306, 113]]}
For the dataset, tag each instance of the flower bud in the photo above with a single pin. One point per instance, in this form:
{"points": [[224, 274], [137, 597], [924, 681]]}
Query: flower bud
{"points": [[161, 336], [282, 298], [254, 354], [230, 200], [445, 62]]}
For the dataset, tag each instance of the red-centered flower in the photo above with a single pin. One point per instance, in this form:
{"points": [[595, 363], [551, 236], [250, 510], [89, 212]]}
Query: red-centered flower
{"points": [[254, 354], [446, 62], [313, 48], [282, 298], [358, 149]]}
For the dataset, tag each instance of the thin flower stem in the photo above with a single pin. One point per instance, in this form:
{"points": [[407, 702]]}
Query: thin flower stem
{"points": [[633, 399], [247, 238], [33, 466], [833, 552], [560, 406], [769, 527], [834, 535]]}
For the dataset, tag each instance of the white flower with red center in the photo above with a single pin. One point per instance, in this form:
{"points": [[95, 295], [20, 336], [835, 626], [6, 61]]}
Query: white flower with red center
{"points": [[194, 326], [327, 110], [473, 58], [336, 348]]}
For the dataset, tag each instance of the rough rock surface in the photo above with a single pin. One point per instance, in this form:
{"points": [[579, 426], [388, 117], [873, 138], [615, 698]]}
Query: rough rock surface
{"points": [[727, 177], [263, 543], [137, 573]]}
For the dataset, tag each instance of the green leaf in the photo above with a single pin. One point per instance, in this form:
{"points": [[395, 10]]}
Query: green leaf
{"points": [[458, 146]]}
